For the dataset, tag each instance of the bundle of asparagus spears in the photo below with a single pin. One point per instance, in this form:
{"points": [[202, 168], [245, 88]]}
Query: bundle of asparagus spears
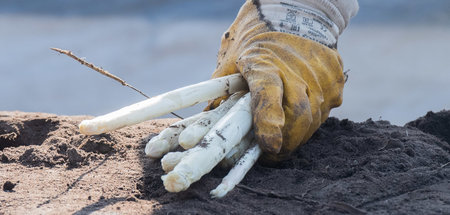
{"points": [[220, 136]]}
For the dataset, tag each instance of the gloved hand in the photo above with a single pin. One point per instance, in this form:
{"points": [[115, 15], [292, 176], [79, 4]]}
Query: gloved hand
{"points": [[294, 81]]}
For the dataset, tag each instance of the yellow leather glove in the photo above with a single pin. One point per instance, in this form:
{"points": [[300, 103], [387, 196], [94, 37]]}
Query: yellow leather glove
{"points": [[294, 82]]}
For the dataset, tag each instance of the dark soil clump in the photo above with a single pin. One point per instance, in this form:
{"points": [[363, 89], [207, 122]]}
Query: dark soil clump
{"points": [[102, 144], [26, 132], [437, 124], [8, 186]]}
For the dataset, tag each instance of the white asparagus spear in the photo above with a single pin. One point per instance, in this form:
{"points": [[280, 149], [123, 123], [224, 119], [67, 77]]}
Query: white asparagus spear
{"points": [[171, 159], [237, 152], [237, 173], [167, 140], [201, 159], [190, 136], [163, 104]]}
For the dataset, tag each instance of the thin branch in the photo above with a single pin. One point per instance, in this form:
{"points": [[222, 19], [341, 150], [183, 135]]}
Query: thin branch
{"points": [[97, 69], [272, 194], [103, 72], [344, 207], [285, 196], [445, 165]]}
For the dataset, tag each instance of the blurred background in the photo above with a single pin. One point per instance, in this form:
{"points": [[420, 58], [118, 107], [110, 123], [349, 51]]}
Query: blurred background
{"points": [[396, 51]]}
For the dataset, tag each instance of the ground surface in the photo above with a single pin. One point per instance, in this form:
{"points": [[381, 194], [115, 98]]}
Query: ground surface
{"points": [[47, 167]]}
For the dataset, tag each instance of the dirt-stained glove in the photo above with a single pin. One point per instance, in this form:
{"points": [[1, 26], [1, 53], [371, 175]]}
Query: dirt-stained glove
{"points": [[294, 81]]}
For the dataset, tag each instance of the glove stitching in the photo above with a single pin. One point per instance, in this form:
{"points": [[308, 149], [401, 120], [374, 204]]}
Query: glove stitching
{"points": [[261, 16]]}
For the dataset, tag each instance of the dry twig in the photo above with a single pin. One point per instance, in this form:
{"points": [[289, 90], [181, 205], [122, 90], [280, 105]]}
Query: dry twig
{"points": [[103, 72], [272, 194], [445, 165]]}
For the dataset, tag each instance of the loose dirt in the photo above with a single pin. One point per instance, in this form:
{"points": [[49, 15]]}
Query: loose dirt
{"points": [[48, 167]]}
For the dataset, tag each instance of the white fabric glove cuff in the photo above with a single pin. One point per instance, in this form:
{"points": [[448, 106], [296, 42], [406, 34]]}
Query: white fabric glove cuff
{"points": [[319, 20]]}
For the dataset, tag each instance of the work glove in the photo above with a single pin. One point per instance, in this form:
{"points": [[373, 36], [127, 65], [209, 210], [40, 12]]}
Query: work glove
{"points": [[287, 54]]}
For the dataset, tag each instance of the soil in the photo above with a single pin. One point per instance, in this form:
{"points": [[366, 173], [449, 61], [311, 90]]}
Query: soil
{"points": [[48, 167]]}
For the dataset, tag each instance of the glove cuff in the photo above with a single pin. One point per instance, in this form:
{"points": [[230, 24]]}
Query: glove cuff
{"points": [[318, 20]]}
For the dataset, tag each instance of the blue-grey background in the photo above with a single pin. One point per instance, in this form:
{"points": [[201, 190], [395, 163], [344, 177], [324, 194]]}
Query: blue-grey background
{"points": [[396, 50]]}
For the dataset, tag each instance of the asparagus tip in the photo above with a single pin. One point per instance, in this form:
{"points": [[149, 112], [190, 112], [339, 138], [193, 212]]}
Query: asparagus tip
{"points": [[220, 191], [87, 128], [188, 139], [175, 182], [156, 148], [170, 160]]}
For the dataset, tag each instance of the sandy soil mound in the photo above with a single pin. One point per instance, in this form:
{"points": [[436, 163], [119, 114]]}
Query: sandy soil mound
{"points": [[47, 166]]}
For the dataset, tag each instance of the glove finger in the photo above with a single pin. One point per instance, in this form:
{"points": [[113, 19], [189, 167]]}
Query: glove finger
{"points": [[300, 114], [298, 122], [266, 89]]}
